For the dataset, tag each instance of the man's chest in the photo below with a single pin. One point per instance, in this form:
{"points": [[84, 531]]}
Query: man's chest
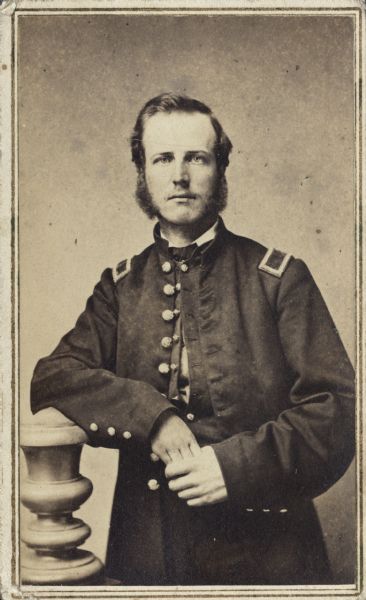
{"points": [[233, 352]]}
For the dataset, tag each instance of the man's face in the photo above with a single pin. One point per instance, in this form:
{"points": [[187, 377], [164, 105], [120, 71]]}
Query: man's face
{"points": [[180, 166]]}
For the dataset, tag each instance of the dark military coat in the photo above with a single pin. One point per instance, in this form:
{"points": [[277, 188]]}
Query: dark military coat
{"points": [[271, 389]]}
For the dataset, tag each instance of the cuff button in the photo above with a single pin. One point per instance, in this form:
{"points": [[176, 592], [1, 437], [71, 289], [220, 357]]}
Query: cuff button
{"points": [[127, 435], [111, 431], [93, 427]]}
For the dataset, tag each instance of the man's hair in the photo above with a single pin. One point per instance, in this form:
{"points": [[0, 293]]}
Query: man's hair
{"points": [[168, 103]]}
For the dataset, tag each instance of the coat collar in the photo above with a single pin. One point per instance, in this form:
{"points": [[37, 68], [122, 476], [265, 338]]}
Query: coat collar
{"points": [[205, 254], [206, 237]]}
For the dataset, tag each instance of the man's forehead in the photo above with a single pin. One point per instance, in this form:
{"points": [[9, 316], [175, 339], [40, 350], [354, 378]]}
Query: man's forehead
{"points": [[178, 130]]}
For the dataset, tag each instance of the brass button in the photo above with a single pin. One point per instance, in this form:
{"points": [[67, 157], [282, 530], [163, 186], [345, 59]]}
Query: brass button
{"points": [[166, 267], [184, 267], [178, 287], [249, 509], [93, 427], [266, 510], [176, 312], [190, 416], [166, 342], [164, 368], [175, 338], [283, 510], [173, 367], [111, 431], [167, 315], [153, 485], [127, 435], [169, 289]]}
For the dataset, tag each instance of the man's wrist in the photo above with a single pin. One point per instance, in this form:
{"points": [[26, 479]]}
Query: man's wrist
{"points": [[162, 418]]}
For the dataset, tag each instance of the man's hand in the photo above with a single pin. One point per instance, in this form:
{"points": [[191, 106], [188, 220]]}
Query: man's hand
{"points": [[198, 479], [174, 440]]}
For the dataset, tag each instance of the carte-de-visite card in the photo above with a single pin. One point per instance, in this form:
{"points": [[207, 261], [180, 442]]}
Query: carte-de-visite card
{"points": [[181, 291]]}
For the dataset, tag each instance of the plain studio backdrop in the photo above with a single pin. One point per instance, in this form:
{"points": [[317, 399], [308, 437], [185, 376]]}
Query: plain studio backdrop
{"points": [[282, 86]]}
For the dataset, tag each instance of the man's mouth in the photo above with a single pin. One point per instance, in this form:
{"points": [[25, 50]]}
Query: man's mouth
{"points": [[183, 196]]}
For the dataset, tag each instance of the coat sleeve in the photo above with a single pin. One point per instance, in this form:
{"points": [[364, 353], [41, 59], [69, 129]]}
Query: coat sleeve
{"points": [[311, 443], [78, 378]]}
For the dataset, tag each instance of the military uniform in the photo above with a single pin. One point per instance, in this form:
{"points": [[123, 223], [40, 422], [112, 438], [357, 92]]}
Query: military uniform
{"points": [[271, 390]]}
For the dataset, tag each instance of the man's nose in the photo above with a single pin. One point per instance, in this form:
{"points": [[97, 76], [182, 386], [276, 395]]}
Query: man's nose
{"points": [[180, 174]]}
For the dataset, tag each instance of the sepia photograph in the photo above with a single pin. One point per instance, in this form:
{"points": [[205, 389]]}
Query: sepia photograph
{"points": [[186, 290]]}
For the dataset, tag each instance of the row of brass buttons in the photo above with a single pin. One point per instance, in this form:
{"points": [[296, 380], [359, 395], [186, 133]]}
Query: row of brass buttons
{"points": [[167, 342], [111, 431], [169, 315]]}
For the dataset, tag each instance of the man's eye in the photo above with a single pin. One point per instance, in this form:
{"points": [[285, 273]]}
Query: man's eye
{"points": [[163, 160], [198, 159]]}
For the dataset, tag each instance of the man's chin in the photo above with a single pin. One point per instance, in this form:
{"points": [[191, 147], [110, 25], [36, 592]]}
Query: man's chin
{"points": [[187, 214], [180, 215], [182, 219]]}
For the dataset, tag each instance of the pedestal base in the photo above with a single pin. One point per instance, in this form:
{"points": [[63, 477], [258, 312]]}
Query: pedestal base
{"points": [[79, 568]]}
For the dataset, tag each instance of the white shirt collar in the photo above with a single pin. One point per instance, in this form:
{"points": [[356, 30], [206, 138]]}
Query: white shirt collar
{"points": [[209, 235]]}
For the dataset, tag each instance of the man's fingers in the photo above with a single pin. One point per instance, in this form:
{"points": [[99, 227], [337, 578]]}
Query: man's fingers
{"points": [[174, 455], [190, 493], [185, 452], [181, 483], [197, 502], [160, 455], [178, 467], [173, 441]]}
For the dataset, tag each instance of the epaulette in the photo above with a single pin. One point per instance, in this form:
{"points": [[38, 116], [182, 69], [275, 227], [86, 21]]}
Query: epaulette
{"points": [[121, 270], [274, 262]]}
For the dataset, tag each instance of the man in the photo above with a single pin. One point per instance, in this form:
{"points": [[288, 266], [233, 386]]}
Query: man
{"points": [[214, 366]]}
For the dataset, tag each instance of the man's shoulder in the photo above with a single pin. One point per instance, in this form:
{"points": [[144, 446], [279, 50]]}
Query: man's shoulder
{"points": [[130, 263], [269, 260]]}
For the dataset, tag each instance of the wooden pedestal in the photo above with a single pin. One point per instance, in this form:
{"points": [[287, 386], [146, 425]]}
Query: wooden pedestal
{"points": [[54, 489]]}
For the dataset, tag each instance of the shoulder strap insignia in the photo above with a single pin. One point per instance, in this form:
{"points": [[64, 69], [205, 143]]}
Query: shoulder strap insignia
{"points": [[274, 262], [121, 270]]}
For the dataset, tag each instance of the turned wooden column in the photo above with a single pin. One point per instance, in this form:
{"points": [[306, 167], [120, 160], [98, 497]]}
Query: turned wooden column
{"points": [[52, 490]]}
